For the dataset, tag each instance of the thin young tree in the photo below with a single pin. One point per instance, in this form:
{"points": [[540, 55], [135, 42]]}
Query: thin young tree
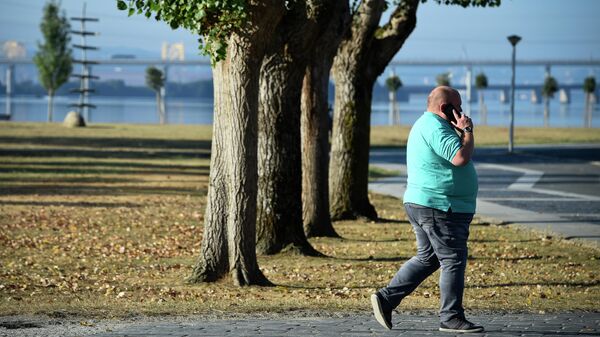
{"points": [[481, 83], [393, 83], [54, 59], [235, 35], [548, 90], [589, 88], [155, 80]]}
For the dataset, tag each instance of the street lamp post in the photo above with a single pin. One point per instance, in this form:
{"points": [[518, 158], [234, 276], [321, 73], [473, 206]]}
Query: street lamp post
{"points": [[513, 39]]}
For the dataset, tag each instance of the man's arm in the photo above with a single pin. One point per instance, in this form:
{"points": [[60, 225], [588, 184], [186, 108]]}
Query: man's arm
{"points": [[463, 155]]}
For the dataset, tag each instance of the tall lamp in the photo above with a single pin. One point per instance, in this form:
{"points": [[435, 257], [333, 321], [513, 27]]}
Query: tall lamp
{"points": [[513, 39]]}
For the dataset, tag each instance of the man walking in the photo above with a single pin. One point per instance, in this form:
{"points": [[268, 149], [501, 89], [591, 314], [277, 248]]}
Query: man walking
{"points": [[440, 203]]}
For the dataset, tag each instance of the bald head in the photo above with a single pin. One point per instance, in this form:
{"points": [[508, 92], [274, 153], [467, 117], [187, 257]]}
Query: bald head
{"points": [[442, 95]]}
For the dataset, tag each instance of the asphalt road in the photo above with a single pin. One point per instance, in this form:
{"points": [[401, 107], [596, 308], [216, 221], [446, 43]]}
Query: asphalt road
{"points": [[547, 187]]}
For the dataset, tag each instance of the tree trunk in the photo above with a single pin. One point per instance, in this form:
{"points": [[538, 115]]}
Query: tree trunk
{"points": [[163, 106], [393, 119], [587, 119], [158, 107], [482, 109], [315, 123], [50, 105], [279, 204], [228, 243], [546, 110], [315, 151], [363, 56], [279, 210], [349, 167]]}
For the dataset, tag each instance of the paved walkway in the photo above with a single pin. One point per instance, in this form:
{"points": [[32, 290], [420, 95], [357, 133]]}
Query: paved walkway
{"points": [[565, 324], [554, 188]]}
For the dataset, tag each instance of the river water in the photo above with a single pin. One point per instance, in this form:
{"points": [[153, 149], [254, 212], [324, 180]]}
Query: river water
{"points": [[195, 111]]}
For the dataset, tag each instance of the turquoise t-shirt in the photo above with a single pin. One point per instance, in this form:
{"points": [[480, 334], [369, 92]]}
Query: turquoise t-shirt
{"points": [[433, 181]]}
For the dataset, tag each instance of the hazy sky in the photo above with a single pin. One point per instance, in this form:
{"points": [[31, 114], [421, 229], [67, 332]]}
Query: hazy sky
{"points": [[554, 29]]}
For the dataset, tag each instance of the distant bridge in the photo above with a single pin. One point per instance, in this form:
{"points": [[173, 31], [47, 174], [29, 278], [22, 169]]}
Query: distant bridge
{"points": [[415, 62], [534, 91], [403, 94]]}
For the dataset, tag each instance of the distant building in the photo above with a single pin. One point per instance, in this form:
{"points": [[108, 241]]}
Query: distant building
{"points": [[172, 52], [13, 50]]}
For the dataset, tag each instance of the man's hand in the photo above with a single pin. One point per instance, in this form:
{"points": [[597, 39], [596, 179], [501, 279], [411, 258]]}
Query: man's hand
{"points": [[462, 121], [463, 156]]}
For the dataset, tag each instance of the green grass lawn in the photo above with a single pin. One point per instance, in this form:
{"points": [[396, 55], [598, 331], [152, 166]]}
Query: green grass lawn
{"points": [[107, 221], [387, 136]]}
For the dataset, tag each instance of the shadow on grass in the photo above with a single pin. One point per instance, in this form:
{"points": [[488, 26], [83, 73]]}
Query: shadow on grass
{"points": [[198, 171], [293, 286], [535, 284], [54, 179], [516, 258], [83, 153], [102, 142], [119, 164], [97, 190], [383, 221], [503, 241], [370, 258], [70, 204], [375, 240]]}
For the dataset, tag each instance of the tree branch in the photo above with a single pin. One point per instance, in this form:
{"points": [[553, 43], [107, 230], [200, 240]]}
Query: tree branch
{"points": [[365, 22], [390, 38]]}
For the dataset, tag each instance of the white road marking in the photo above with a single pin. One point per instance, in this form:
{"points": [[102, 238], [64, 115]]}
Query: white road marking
{"points": [[529, 199], [527, 181], [524, 182], [487, 208]]}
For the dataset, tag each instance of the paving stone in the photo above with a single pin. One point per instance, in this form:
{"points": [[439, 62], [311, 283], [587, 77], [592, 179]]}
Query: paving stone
{"points": [[509, 325]]}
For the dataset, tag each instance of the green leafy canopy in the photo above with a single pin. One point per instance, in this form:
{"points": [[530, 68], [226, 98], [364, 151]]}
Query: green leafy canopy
{"points": [[481, 81], [462, 3], [155, 78], [393, 83], [589, 84], [213, 20], [550, 87], [443, 79], [467, 3]]}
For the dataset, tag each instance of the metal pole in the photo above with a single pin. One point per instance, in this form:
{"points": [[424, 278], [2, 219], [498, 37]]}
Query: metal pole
{"points": [[512, 103], [513, 39]]}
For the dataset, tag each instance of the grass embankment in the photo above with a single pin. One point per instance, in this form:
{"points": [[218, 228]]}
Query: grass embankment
{"points": [[107, 221], [392, 136]]}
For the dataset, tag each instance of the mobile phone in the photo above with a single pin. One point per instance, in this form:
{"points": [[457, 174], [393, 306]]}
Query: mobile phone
{"points": [[448, 110]]}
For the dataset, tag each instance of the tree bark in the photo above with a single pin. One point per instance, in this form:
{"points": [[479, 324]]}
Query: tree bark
{"points": [[363, 55], [482, 109], [159, 107], [162, 106], [587, 119], [279, 204], [279, 222], [315, 124], [393, 118], [546, 111], [50, 105], [228, 243]]}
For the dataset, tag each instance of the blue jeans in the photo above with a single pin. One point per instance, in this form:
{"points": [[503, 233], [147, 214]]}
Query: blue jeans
{"points": [[441, 241]]}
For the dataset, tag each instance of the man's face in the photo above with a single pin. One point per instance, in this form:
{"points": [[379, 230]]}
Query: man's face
{"points": [[456, 102]]}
